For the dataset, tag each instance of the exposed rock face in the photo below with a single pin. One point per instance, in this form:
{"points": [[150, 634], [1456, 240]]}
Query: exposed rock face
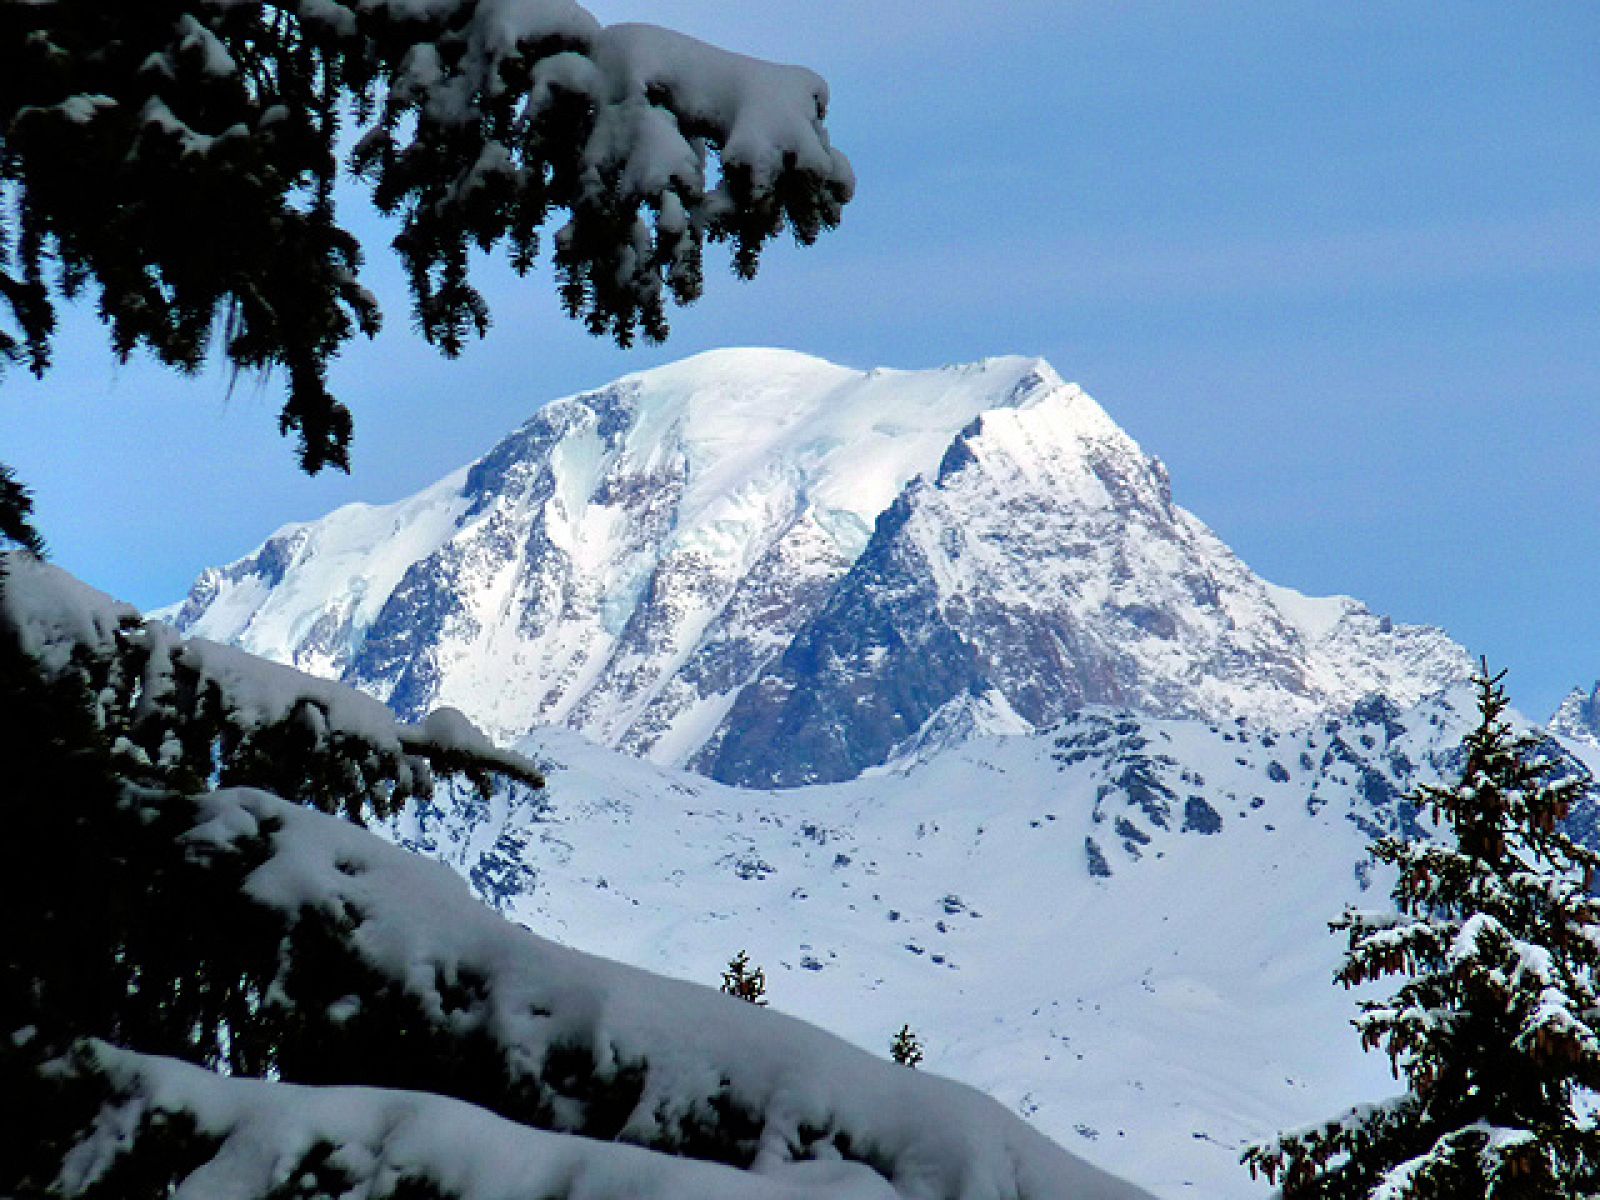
{"points": [[781, 571], [1043, 568]]}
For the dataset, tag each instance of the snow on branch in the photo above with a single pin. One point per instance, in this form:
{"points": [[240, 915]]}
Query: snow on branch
{"points": [[191, 713], [252, 1138], [183, 160], [564, 1041]]}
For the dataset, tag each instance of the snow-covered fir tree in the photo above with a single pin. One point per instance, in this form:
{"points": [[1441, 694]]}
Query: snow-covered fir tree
{"points": [[1496, 1028], [744, 981], [905, 1047]]}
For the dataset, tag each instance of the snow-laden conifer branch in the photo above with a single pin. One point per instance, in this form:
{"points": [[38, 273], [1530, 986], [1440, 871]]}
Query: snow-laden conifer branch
{"points": [[181, 156], [244, 1137], [365, 965], [190, 713]]}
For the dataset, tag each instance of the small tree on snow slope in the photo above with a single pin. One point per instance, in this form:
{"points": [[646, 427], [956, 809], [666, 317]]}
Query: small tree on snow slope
{"points": [[744, 981], [905, 1047], [1496, 1027]]}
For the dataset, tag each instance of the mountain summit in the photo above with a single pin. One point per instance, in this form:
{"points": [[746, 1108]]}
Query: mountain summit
{"points": [[782, 571], [1578, 716]]}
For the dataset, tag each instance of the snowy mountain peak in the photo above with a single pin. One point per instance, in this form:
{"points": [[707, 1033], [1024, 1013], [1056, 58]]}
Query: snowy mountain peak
{"points": [[756, 544], [1044, 568], [850, 439], [1578, 716]]}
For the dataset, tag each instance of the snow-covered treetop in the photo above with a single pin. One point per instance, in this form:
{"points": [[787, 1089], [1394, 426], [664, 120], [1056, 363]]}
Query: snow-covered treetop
{"points": [[181, 156]]}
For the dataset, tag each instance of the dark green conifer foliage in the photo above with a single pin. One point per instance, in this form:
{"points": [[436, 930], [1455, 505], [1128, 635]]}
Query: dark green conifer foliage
{"points": [[177, 160], [746, 982], [1495, 1028], [16, 515], [906, 1048]]}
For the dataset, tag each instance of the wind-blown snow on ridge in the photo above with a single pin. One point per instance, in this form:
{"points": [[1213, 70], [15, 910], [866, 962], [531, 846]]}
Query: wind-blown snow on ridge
{"points": [[695, 559], [313, 583]]}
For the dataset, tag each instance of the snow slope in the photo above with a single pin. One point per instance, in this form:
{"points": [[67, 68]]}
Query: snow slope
{"points": [[822, 1118], [693, 558], [1116, 926], [338, 932]]}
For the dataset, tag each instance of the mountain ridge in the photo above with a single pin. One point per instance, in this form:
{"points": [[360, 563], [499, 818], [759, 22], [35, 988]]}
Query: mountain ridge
{"points": [[1578, 717], [648, 561]]}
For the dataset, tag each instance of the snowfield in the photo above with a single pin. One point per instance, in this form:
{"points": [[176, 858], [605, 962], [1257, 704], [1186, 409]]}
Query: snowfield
{"points": [[1117, 927]]}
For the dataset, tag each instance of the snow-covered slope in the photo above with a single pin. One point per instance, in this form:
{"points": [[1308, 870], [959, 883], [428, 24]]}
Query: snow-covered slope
{"points": [[1578, 717], [1116, 926], [931, 553], [487, 1062]]}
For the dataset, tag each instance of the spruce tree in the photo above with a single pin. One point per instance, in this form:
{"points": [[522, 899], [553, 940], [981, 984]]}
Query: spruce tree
{"points": [[905, 1047], [1495, 1029], [744, 981]]}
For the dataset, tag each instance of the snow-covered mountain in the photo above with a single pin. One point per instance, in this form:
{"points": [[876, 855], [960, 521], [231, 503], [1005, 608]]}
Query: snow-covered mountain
{"points": [[1117, 925], [778, 571], [1578, 717], [411, 1042]]}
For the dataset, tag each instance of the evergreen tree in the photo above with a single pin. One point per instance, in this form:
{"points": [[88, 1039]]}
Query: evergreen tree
{"points": [[905, 1047], [1496, 1028], [178, 159], [16, 515], [746, 982]]}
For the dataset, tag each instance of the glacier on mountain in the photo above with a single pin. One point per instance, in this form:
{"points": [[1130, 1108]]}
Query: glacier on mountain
{"points": [[778, 570]]}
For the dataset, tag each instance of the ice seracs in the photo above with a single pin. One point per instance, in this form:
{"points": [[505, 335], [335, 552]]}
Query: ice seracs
{"points": [[692, 560]]}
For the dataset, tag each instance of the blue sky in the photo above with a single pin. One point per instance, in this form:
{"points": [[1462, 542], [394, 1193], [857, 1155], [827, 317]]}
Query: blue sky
{"points": [[1337, 264]]}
